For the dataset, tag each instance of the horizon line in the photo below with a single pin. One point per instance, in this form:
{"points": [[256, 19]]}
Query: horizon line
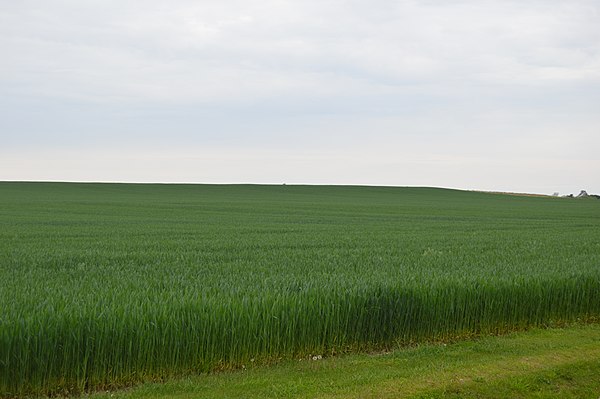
{"points": [[275, 184]]}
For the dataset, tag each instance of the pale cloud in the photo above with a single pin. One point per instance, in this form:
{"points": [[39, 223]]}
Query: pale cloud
{"points": [[478, 82], [232, 51]]}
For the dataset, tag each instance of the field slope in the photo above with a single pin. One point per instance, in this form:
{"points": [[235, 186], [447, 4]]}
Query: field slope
{"points": [[104, 285]]}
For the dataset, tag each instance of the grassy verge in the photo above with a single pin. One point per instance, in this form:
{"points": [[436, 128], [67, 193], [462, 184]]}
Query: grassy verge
{"points": [[553, 363]]}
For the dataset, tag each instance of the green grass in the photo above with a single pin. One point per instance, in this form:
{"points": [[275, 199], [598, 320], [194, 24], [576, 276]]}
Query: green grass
{"points": [[555, 363], [105, 285]]}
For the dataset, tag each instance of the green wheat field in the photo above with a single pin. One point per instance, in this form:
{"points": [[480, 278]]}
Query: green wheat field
{"points": [[107, 285]]}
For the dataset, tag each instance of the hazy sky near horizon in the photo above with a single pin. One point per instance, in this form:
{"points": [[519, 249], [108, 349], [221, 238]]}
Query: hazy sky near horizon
{"points": [[472, 94]]}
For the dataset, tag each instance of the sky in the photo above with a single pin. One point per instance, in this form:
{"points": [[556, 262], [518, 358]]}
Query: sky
{"points": [[471, 94]]}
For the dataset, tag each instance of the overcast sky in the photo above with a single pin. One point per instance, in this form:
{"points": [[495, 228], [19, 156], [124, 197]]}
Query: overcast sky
{"points": [[490, 95]]}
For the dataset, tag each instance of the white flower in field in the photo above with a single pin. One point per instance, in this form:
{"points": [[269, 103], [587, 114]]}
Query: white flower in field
{"points": [[317, 357]]}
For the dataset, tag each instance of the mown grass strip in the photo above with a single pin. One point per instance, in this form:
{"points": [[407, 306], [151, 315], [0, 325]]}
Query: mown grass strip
{"points": [[576, 380]]}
